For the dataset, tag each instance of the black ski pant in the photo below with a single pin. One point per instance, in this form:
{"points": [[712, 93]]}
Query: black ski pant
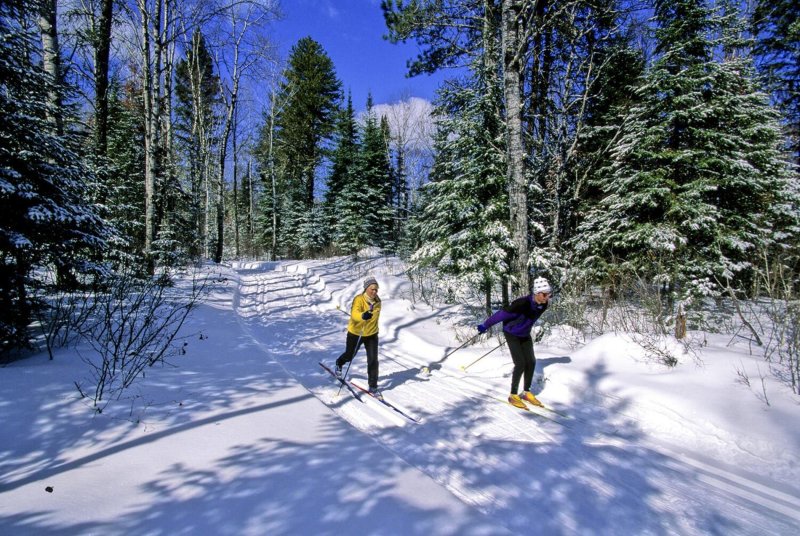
{"points": [[370, 343], [521, 349]]}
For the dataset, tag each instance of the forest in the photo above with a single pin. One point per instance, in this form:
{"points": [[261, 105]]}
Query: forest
{"points": [[633, 152]]}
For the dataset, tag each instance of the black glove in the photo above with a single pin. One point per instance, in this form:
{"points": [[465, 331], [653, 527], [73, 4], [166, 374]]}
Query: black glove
{"points": [[366, 315]]}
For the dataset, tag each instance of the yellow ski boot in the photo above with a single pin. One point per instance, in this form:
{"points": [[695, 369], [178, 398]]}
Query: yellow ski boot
{"points": [[516, 401], [527, 396]]}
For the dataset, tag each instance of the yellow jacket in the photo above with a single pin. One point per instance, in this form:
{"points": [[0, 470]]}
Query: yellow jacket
{"points": [[356, 325]]}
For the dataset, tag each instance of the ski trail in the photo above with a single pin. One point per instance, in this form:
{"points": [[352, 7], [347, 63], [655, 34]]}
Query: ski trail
{"points": [[736, 483], [278, 294], [272, 292], [289, 309]]}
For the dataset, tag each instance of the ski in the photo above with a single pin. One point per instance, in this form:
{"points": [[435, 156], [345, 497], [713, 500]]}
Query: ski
{"points": [[342, 381], [531, 410], [542, 406], [387, 404], [556, 412], [551, 410]]}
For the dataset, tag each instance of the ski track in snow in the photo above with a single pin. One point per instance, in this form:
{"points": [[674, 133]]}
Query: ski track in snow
{"points": [[595, 461]]}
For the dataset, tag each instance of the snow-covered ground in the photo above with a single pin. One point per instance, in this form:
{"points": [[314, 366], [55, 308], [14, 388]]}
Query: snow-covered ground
{"points": [[246, 434]]}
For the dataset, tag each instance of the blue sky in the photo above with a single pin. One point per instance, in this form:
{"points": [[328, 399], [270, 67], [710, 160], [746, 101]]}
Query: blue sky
{"points": [[351, 32]]}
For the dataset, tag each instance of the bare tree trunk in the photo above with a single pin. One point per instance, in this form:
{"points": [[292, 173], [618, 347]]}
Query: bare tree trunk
{"points": [[271, 161], [149, 73], [157, 58], [201, 150], [51, 60], [250, 209], [223, 155], [168, 31], [235, 185], [198, 142], [513, 51], [170, 187], [102, 53], [231, 103]]}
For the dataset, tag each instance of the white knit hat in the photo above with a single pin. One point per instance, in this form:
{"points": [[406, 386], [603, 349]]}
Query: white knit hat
{"points": [[540, 284]]}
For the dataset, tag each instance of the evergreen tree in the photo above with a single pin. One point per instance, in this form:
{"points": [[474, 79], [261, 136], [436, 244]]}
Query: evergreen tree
{"points": [[776, 28], [343, 165], [401, 196], [125, 152], [350, 232], [697, 184], [364, 216], [45, 227], [312, 231], [461, 225], [609, 102], [450, 31], [309, 99], [375, 175]]}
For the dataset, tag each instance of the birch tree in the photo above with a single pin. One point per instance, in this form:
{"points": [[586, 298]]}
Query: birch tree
{"points": [[47, 21], [237, 55], [197, 90], [153, 39]]}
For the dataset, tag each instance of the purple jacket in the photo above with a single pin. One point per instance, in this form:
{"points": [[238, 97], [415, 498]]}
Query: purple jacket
{"points": [[519, 317]]}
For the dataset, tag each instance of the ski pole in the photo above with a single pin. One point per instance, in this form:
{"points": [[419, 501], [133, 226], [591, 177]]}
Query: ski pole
{"points": [[355, 351], [347, 370], [427, 369], [460, 347], [358, 342], [484, 355]]}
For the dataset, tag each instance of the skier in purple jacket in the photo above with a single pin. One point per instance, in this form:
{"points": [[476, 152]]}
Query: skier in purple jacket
{"points": [[518, 320]]}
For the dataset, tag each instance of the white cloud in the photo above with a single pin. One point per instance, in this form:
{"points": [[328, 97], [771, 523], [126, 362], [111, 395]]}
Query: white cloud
{"points": [[409, 120]]}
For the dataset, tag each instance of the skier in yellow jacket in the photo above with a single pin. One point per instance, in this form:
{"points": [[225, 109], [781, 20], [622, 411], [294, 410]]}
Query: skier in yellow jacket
{"points": [[363, 328]]}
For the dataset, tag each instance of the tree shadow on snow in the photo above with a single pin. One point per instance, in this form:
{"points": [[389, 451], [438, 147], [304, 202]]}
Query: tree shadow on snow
{"points": [[516, 472]]}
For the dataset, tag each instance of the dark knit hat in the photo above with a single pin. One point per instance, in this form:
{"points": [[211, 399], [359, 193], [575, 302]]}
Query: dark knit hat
{"points": [[369, 281]]}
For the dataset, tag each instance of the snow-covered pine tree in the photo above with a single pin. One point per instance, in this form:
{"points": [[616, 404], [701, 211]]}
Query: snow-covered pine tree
{"points": [[312, 231], [461, 225], [364, 211], [697, 183], [125, 155], [343, 165], [605, 110], [45, 226], [307, 102], [350, 232], [777, 51]]}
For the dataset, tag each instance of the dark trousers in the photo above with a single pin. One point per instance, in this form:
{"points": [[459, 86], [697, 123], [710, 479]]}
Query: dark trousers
{"points": [[524, 361], [370, 343]]}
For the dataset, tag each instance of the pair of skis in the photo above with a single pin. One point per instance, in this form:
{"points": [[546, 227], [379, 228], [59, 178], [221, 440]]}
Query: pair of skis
{"points": [[342, 381], [357, 390]]}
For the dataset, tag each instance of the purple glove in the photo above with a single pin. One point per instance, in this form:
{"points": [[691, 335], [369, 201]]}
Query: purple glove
{"points": [[482, 328]]}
